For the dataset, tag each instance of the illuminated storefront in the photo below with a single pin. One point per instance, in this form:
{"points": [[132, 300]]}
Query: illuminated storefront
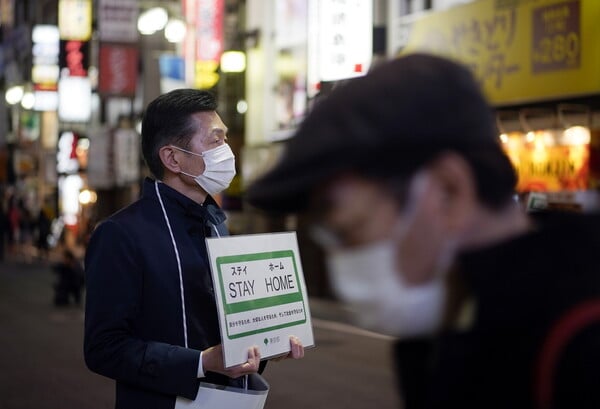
{"points": [[529, 57]]}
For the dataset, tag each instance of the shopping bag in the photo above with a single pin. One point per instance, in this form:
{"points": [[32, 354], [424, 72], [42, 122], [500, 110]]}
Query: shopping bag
{"points": [[211, 396]]}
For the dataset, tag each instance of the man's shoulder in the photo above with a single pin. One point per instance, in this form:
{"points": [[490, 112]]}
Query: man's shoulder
{"points": [[131, 212], [129, 219]]}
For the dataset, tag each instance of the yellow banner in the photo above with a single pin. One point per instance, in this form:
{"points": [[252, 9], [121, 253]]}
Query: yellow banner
{"points": [[519, 50]]}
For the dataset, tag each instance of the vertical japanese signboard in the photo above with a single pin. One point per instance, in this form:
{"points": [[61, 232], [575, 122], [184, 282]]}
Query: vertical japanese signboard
{"points": [[75, 19], [117, 20], [209, 41], [118, 70], [74, 86], [343, 42], [261, 294], [520, 51], [45, 68]]}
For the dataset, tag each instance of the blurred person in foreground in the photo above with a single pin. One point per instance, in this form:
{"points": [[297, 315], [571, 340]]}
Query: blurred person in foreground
{"points": [[151, 318], [412, 199]]}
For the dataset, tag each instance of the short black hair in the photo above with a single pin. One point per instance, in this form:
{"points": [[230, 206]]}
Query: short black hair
{"points": [[167, 120]]}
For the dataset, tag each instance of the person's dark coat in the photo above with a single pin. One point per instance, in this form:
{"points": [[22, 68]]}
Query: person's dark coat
{"points": [[518, 291], [134, 329]]}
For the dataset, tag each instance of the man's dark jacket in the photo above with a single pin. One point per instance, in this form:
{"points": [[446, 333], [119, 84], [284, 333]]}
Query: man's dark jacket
{"points": [[517, 289], [134, 320]]}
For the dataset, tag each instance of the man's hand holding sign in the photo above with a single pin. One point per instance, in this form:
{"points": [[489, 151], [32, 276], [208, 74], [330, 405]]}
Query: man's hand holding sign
{"points": [[212, 359]]}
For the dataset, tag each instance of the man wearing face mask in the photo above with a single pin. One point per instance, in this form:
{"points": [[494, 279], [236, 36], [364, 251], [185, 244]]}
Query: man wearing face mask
{"points": [[151, 319], [412, 199]]}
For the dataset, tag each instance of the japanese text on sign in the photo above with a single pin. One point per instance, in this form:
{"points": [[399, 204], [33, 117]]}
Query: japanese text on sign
{"points": [[482, 44], [260, 288]]}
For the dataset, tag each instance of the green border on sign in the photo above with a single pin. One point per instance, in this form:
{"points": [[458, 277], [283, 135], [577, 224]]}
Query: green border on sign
{"points": [[232, 308]]}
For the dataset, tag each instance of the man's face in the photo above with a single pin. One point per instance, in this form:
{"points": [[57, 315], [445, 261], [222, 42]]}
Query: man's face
{"points": [[210, 133], [360, 211]]}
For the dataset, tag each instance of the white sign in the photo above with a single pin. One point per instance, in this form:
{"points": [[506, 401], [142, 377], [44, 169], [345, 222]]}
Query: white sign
{"points": [[74, 99], [126, 156], [100, 174], [45, 101], [45, 70], [261, 294], [345, 38], [117, 20]]}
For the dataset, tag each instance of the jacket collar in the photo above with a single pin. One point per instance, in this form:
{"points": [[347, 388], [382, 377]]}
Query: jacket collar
{"points": [[209, 211]]}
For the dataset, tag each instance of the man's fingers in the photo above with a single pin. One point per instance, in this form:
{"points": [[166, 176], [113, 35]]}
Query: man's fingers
{"points": [[253, 357], [251, 365], [253, 353], [297, 349]]}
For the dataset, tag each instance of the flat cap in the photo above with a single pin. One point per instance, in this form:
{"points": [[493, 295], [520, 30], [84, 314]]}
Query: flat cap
{"points": [[391, 121]]}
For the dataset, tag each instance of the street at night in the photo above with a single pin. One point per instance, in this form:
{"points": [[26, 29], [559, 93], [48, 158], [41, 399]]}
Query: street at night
{"points": [[42, 359]]}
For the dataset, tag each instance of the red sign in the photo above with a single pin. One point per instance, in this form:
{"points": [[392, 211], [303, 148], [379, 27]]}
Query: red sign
{"points": [[74, 57], [118, 70]]}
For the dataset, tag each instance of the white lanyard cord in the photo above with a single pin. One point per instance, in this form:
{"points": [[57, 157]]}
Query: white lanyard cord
{"points": [[178, 264]]}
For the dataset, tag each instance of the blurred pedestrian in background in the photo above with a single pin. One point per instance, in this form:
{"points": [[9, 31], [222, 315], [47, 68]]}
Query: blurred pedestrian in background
{"points": [[43, 224], [3, 227], [151, 317], [413, 200], [13, 216], [26, 228], [70, 280]]}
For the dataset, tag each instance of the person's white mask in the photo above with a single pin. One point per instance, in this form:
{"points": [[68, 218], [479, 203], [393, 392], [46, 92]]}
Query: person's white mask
{"points": [[219, 168], [366, 278]]}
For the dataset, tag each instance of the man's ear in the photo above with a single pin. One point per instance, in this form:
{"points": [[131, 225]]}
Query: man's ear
{"points": [[169, 159], [455, 178]]}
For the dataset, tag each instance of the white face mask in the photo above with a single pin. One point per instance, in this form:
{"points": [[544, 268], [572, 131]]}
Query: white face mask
{"points": [[219, 168], [366, 278]]}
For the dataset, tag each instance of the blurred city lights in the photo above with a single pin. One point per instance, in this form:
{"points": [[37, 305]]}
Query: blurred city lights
{"points": [[87, 196], [14, 95], [28, 100], [530, 137], [577, 135], [152, 20], [242, 106], [233, 61], [175, 31]]}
